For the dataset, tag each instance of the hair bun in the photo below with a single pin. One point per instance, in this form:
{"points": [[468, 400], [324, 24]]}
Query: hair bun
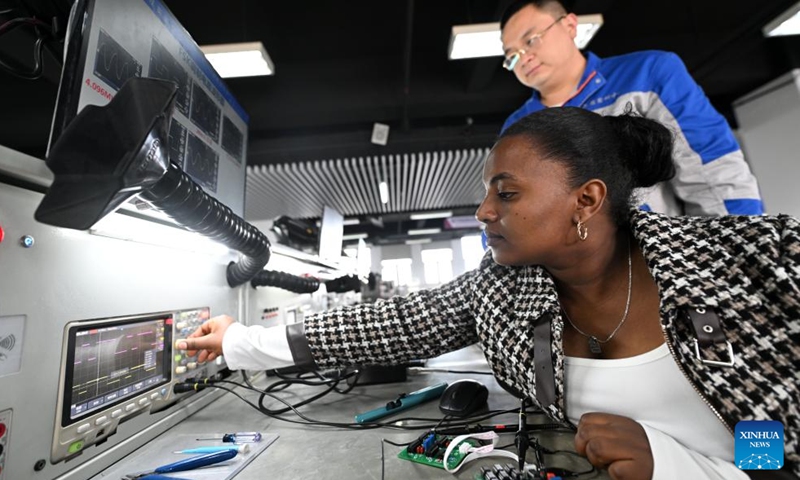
{"points": [[645, 147]]}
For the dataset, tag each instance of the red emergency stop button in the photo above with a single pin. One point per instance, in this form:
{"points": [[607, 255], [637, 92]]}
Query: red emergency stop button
{"points": [[2, 429]]}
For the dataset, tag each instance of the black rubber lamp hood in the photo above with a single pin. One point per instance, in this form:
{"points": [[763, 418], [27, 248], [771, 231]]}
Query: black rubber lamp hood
{"points": [[108, 154]]}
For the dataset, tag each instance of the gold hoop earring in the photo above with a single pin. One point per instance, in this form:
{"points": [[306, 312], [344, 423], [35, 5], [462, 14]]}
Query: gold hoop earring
{"points": [[583, 230]]}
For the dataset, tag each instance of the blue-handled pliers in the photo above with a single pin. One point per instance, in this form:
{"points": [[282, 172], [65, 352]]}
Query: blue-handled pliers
{"points": [[182, 465]]}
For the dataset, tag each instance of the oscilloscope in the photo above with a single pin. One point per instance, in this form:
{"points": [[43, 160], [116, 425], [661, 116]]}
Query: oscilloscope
{"points": [[116, 368]]}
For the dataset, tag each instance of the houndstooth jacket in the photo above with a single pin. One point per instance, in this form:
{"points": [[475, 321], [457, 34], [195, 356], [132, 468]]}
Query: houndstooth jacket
{"points": [[730, 313]]}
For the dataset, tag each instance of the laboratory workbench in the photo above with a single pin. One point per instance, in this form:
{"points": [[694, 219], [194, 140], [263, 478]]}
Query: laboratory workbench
{"points": [[318, 452]]}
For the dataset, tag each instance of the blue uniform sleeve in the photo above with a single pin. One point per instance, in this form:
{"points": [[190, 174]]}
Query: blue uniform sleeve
{"points": [[712, 176]]}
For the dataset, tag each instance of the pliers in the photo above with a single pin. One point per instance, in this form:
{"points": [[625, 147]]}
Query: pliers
{"points": [[182, 465]]}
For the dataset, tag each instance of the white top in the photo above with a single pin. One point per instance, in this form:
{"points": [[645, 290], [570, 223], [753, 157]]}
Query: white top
{"points": [[686, 437], [687, 440], [256, 347]]}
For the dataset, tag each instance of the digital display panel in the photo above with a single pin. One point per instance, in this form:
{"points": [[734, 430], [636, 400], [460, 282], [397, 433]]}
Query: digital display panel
{"points": [[164, 66], [201, 163], [177, 142], [113, 63], [205, 112], [108, 363], [232, 139], [112, 41]]}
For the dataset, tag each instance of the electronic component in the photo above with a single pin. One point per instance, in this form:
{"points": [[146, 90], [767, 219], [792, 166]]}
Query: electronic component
{"points": [[429, 450], [109, 363], [238, 437], [5, 439], [115, 368]]}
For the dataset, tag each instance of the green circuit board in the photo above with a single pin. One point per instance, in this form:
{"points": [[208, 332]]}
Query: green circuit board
{"points": [[435, 459]]}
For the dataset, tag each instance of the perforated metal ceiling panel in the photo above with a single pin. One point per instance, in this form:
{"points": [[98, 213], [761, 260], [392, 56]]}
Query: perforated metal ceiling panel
{"points": [[417, 182]]}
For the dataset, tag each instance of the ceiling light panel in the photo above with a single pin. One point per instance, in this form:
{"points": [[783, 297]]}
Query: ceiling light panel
{"points": [[483, 39], [425, 231], [430, 215], [787, 23], [239, 59]]}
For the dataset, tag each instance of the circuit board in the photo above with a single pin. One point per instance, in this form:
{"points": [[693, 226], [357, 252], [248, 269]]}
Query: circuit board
{"points": [[430, 451]]}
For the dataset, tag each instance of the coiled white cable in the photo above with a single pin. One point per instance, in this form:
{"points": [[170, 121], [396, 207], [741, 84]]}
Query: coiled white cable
{"points": [[474, 453]]}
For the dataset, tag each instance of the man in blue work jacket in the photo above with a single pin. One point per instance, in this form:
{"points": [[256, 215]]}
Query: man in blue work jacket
{"points": [[712, 177]]}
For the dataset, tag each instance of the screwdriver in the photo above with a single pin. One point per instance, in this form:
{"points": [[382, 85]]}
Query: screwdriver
{"points": [[239, 449], [238, 437]]}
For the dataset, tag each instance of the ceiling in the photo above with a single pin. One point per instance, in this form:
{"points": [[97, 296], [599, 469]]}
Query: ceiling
{"points": [[342, 66]]}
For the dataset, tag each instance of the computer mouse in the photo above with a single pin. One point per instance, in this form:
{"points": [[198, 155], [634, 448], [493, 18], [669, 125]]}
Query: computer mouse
{"points": [[463, 398]]}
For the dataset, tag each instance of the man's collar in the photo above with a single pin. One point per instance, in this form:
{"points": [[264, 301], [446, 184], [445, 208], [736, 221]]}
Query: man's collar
{"points": [[585, 90], [592, 64], [591, 81]]}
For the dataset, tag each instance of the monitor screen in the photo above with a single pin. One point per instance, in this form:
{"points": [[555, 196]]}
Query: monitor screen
{"points": [[364, 260], [331, 232], [109, 362], [112, 41]]}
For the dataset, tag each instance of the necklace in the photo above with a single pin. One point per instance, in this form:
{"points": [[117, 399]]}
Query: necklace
{"points": [[594, 342]]}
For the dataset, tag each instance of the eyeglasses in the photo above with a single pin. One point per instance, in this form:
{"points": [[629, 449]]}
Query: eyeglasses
{"points": [[531, 43]]}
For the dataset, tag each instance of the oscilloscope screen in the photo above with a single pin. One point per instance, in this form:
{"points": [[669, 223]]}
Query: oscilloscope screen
{"points": [[164, 66], [109, 363], [113, 63]]}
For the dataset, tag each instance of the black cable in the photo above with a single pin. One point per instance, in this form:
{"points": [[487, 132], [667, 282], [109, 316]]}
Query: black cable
{"points": [[440, 422], [397, 424], [285, 281], [521, 439], [17, 22], [346, 283], [289, 406], [331, 383], [180, 198], [563, 473], [33, 74], [355, 374], [420, 370], [36, 72]]}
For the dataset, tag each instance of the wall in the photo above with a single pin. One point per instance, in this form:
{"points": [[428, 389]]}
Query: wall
{"points": [[769, 128]]}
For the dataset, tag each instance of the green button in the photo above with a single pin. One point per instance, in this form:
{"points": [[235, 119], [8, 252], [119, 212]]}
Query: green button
{"points": [[75, 447], [178, 357]]}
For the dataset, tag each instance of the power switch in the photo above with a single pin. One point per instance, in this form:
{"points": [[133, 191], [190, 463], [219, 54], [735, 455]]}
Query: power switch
{"points": [[5, 440]]}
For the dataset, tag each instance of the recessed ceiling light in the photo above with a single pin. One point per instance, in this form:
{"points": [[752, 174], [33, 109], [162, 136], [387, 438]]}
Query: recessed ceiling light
{"points": [[588, 25], [383, 189], [483, 39], [476, 40], [787, 23], [425, 231], [239, 59], [429, 215], [418, 241], [355, 236]]}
